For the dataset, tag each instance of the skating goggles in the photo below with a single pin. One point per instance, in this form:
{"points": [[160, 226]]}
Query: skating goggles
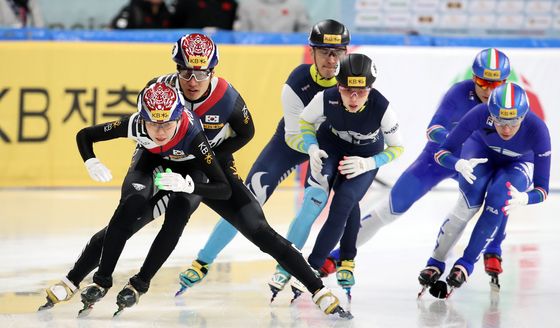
{"points": [[511, 122], [198, 75], [166, 127], [327, 52], [485, 84], [349, 92]]}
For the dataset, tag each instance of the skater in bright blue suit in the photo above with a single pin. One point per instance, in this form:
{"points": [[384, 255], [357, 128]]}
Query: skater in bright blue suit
{"points": [[490, 69], [506, 150]]}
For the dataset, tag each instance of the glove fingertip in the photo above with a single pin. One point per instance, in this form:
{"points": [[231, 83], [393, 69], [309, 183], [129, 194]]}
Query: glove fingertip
{"points": [[508, 184]]}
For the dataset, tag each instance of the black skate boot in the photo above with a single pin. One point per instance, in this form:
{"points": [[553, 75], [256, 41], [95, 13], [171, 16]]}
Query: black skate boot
{"points": [[90, 295], [493, 267], [427, 278], [127, 297], [456, 278]]}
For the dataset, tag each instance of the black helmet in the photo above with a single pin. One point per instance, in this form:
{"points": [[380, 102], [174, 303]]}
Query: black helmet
{"points": [[356, 71], [329, 33]]}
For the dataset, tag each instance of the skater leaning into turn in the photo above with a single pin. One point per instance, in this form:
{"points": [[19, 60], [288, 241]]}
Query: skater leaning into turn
{"points": [[506, 150], [166, 134], [345, 154], [490, 69], [328, 40], [209, 96]]}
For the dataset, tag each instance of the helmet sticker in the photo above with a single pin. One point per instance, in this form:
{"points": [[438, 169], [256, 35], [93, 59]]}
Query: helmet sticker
{"points": [[198, 49], [508, 113], [159, 100], [332, 38], [356, 81]]}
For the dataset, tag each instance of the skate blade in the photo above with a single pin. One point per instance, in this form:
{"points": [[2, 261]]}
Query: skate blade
{"points": [[343, 314], [119, 311], [85, 311], [450, 293], [494, 284], [181, 291], [421, 292], [348, 294], [275, 292], [297, 294], [46, 306]]}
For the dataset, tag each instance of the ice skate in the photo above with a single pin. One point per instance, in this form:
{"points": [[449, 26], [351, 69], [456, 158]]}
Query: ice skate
{"points": [[427, 278], [456, 278], [493, 267], [297, 288], [90, 295], [345, 276], [277, 282], [127, 297], [192, 276], [329, 304], [328, 268], [60, 292]]}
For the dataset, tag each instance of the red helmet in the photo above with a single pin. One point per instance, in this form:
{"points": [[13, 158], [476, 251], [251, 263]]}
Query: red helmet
{"points": [[159, 102], [195, 51]]}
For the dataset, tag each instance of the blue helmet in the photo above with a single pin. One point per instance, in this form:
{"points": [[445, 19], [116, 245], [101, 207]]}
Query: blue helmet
{"points": [[195, 51], [508, 104], [329, 34], [491, 64], [159, 102]]}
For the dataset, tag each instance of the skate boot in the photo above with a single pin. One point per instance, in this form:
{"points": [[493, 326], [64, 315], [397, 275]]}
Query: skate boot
{"points": [[90, 295], [427, 278], [328, 303], [456, 278], [493, 267], [192, 276], [278, 280], [127, 297], [329, 267], [60, 292], [297, 288], [345, 276]]}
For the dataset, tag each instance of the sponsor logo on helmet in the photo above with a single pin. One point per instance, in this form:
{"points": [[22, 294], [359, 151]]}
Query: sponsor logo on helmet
{"points": [[332, 38], [356, 81], [508, 113], [198, 61], [491, 74], [159, 101], [198, 49]]}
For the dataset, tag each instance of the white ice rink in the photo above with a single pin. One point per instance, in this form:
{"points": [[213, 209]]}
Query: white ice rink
{"points": [[42, 232]]}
